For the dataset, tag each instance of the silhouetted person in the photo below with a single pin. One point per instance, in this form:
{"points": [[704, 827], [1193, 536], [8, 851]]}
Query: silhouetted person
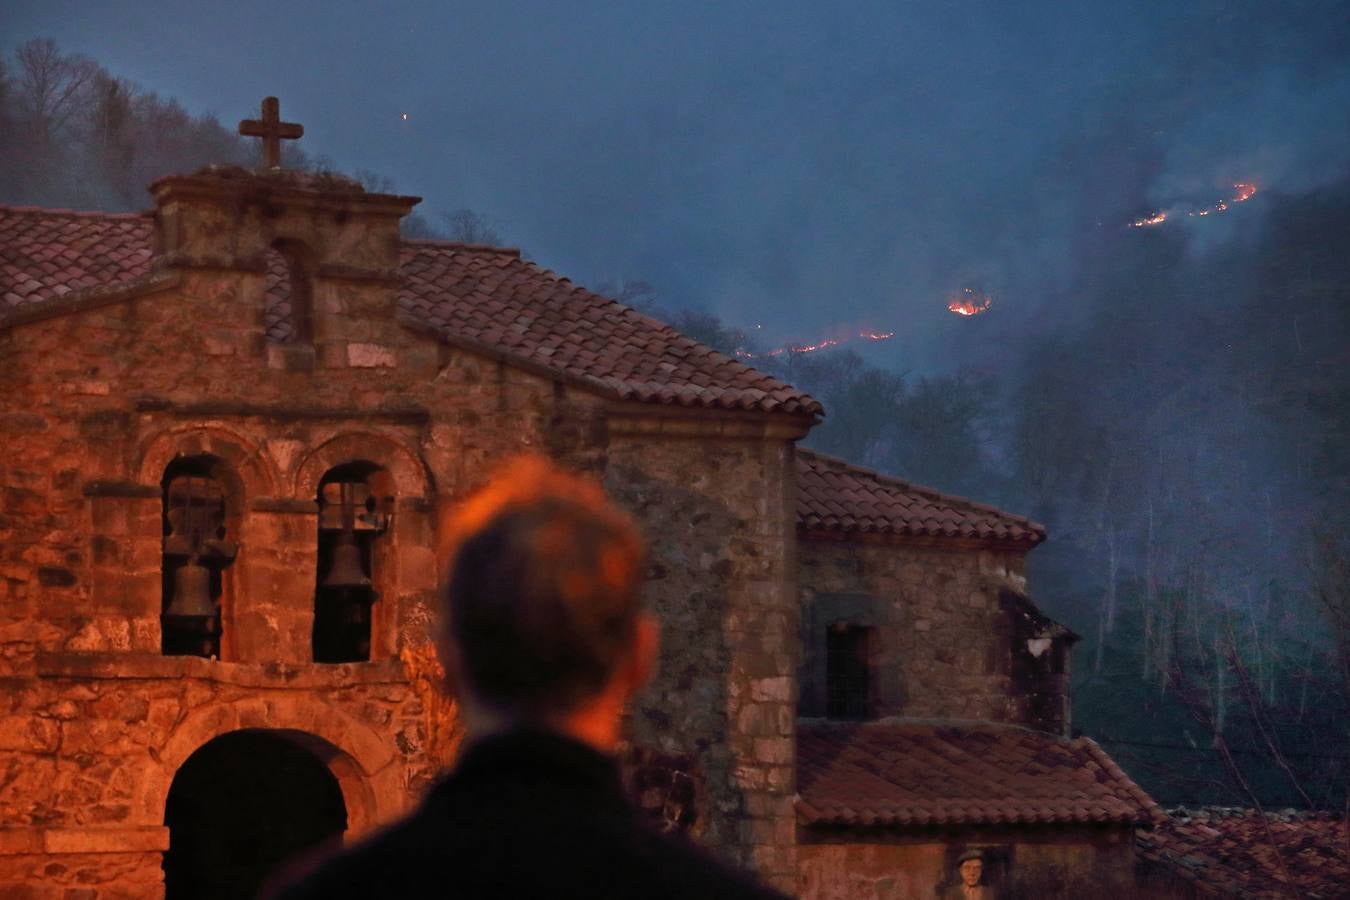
{"points": [[544, 643]]}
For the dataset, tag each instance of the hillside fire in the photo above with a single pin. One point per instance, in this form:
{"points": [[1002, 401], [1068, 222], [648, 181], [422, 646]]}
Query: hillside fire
{"points": [[1243, 191], [969, 303], [823, 344]]}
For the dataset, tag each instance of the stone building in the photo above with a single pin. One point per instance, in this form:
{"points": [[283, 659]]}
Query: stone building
{"points": [[935, 705], [231, 424]]}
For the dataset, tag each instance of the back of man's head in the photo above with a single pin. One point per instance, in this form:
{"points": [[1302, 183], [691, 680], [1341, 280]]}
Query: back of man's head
{"points": [[541, 601]]}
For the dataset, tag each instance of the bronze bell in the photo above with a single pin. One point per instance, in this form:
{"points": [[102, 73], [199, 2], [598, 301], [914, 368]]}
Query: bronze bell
{"points": [[346, 570], [191, 593]]}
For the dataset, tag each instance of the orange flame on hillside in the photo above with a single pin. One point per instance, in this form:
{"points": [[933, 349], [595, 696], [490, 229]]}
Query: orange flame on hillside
{"points": [[1243, 191], [969, 303], [824, 344]]}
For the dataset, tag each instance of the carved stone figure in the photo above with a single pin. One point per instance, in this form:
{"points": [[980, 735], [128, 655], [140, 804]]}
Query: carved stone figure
{"points": [[970, 879]]}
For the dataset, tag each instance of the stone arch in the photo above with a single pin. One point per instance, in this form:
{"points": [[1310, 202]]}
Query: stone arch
{"points": [[405, 467], [254, 471], [362, 761], [242, 807]]}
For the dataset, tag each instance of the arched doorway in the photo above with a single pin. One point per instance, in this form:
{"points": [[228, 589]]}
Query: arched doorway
{"points": [[239, 807]]}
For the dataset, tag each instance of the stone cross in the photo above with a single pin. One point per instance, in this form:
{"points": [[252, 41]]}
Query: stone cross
{"points": [[272, 131]]}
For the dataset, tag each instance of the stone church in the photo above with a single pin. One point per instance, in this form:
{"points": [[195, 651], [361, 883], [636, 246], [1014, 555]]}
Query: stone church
{"points": [[231, 425]]}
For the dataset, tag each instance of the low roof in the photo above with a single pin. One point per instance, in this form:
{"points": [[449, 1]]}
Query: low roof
{"points": [[898, 772], [46, 254], [484, 298], [835, 496], [1247, 853]]}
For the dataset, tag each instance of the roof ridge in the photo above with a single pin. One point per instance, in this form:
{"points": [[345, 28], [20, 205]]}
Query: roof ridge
{"points": [[74, 213], [459, 245], [1182, 809], [923, 490], [935, 722]]}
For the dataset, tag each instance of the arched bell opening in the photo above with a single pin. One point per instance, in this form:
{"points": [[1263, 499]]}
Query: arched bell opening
{"points": [[199, 513], [240, 808], [355, 504]]}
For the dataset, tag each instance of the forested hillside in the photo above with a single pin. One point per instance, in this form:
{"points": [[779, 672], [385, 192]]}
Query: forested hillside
{"points": [[75, 136], [1184, 434]]}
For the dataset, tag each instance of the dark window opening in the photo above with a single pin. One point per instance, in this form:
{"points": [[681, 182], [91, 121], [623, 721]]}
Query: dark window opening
{"points": [[352, 519], [847, 672], [240, 808], [196, 552]]}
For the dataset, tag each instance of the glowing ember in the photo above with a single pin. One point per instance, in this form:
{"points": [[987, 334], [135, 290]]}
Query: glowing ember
{"points": [[969, 303], [1244, 192], [1156, 219]]}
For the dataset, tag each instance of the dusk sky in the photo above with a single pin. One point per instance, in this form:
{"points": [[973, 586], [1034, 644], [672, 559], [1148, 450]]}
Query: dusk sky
{"points": [[816, 168]]}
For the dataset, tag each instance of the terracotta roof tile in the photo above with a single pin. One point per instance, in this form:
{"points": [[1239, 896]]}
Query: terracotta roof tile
{"points": [[47, 253], [837, 496], [1240, 852], [493, 297], [907, 772], [487, 297]]}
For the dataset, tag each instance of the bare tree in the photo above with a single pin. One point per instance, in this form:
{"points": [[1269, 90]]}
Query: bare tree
{"points": [[632, 292], [470, 227], [52, 90]]}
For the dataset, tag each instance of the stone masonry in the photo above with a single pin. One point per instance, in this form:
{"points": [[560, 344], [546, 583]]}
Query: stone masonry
{"points": [[263, 331], [103, 389]]}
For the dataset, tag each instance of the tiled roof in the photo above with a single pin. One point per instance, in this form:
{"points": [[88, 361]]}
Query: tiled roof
{"points": [[48, 253], [900, 772], [494, 298], [484, 297], [837, 496], [1241, 853]]}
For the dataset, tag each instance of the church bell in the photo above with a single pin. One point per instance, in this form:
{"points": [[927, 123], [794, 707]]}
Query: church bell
{"points": [[191, 593], [346, 570]]}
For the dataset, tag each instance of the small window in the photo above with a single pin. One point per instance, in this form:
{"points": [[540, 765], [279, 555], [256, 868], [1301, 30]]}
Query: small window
{"points": [[288, 295], [847, 672]]}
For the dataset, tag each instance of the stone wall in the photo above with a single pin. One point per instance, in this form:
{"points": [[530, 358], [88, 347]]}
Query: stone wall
{"points": [[91, 746], [717, 512], [96, 402], [1048, 863], [941, 644]]}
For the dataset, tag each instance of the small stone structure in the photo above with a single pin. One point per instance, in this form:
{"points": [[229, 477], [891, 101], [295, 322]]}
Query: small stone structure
{"points": [[232, 425]]}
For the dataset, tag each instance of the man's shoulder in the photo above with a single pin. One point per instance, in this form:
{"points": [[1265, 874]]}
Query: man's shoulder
{"points": [[363, 869], [683, 868], [415, 859]]}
